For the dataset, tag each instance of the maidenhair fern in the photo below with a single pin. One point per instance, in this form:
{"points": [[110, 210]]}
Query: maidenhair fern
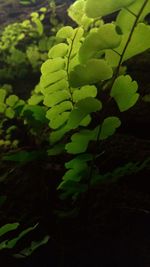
{"points": [[74, 75], [68, 87]]}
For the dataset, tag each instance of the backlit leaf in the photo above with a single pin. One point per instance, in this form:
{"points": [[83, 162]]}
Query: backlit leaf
{"points": [[12, 100], [55, 98], [59, 50], [35, 99], [83, 92], [65, 32], [124, 91], [82, 109], [52, 65], [106, 37], [102, 8], [125, 18], [138, 44], [51, 78]]}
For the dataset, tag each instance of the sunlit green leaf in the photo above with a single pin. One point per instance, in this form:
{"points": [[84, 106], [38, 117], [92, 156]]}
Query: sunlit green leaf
{"points": [[60, 120], [52, 65], [51, 78], [77, 13], [124, 91], [58, 109], [106, 37], [126, 18], [103, 8], [35, 99], [55, 98], [82, 109], [138, 44], [83, 92], [65, 32], [59, 50], [12, 100], [52, 88]]}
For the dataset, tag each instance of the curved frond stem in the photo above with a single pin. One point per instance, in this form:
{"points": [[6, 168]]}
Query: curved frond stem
{"points": [[68, 63]]}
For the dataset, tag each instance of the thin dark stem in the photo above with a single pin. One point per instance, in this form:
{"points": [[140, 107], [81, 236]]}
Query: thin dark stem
{"points": [[130, 12], [116, 52], [68, 62]]}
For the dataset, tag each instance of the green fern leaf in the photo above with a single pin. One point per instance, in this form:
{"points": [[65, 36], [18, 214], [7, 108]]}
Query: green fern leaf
{"points": [[52, 88], [84, 92], [12, 100], [52, 65], [126, 18], [9, 113], [109, 127], [79, 141], [58, 109], [138, 44], [8, 227], [2, 107], [51, 78], [93, 71], [83, 108], [59, 50], [65, 32], [77, 13], [124, 91], [60, 120], [103, 8], [106, 37], [3, 94], [77, 168], [35, 99], [57, 135], [55, 98]]}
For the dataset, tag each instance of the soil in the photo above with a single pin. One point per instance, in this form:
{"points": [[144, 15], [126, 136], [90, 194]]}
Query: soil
{"points": [[112, 230]]}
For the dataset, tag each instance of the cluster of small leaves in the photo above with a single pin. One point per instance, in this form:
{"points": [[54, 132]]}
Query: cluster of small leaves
{"points": [[24, 45], [15, 113], [9, 104], [89, 55]]}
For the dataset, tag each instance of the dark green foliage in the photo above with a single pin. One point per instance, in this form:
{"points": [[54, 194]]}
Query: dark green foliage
{"points": [[65, 113]]}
